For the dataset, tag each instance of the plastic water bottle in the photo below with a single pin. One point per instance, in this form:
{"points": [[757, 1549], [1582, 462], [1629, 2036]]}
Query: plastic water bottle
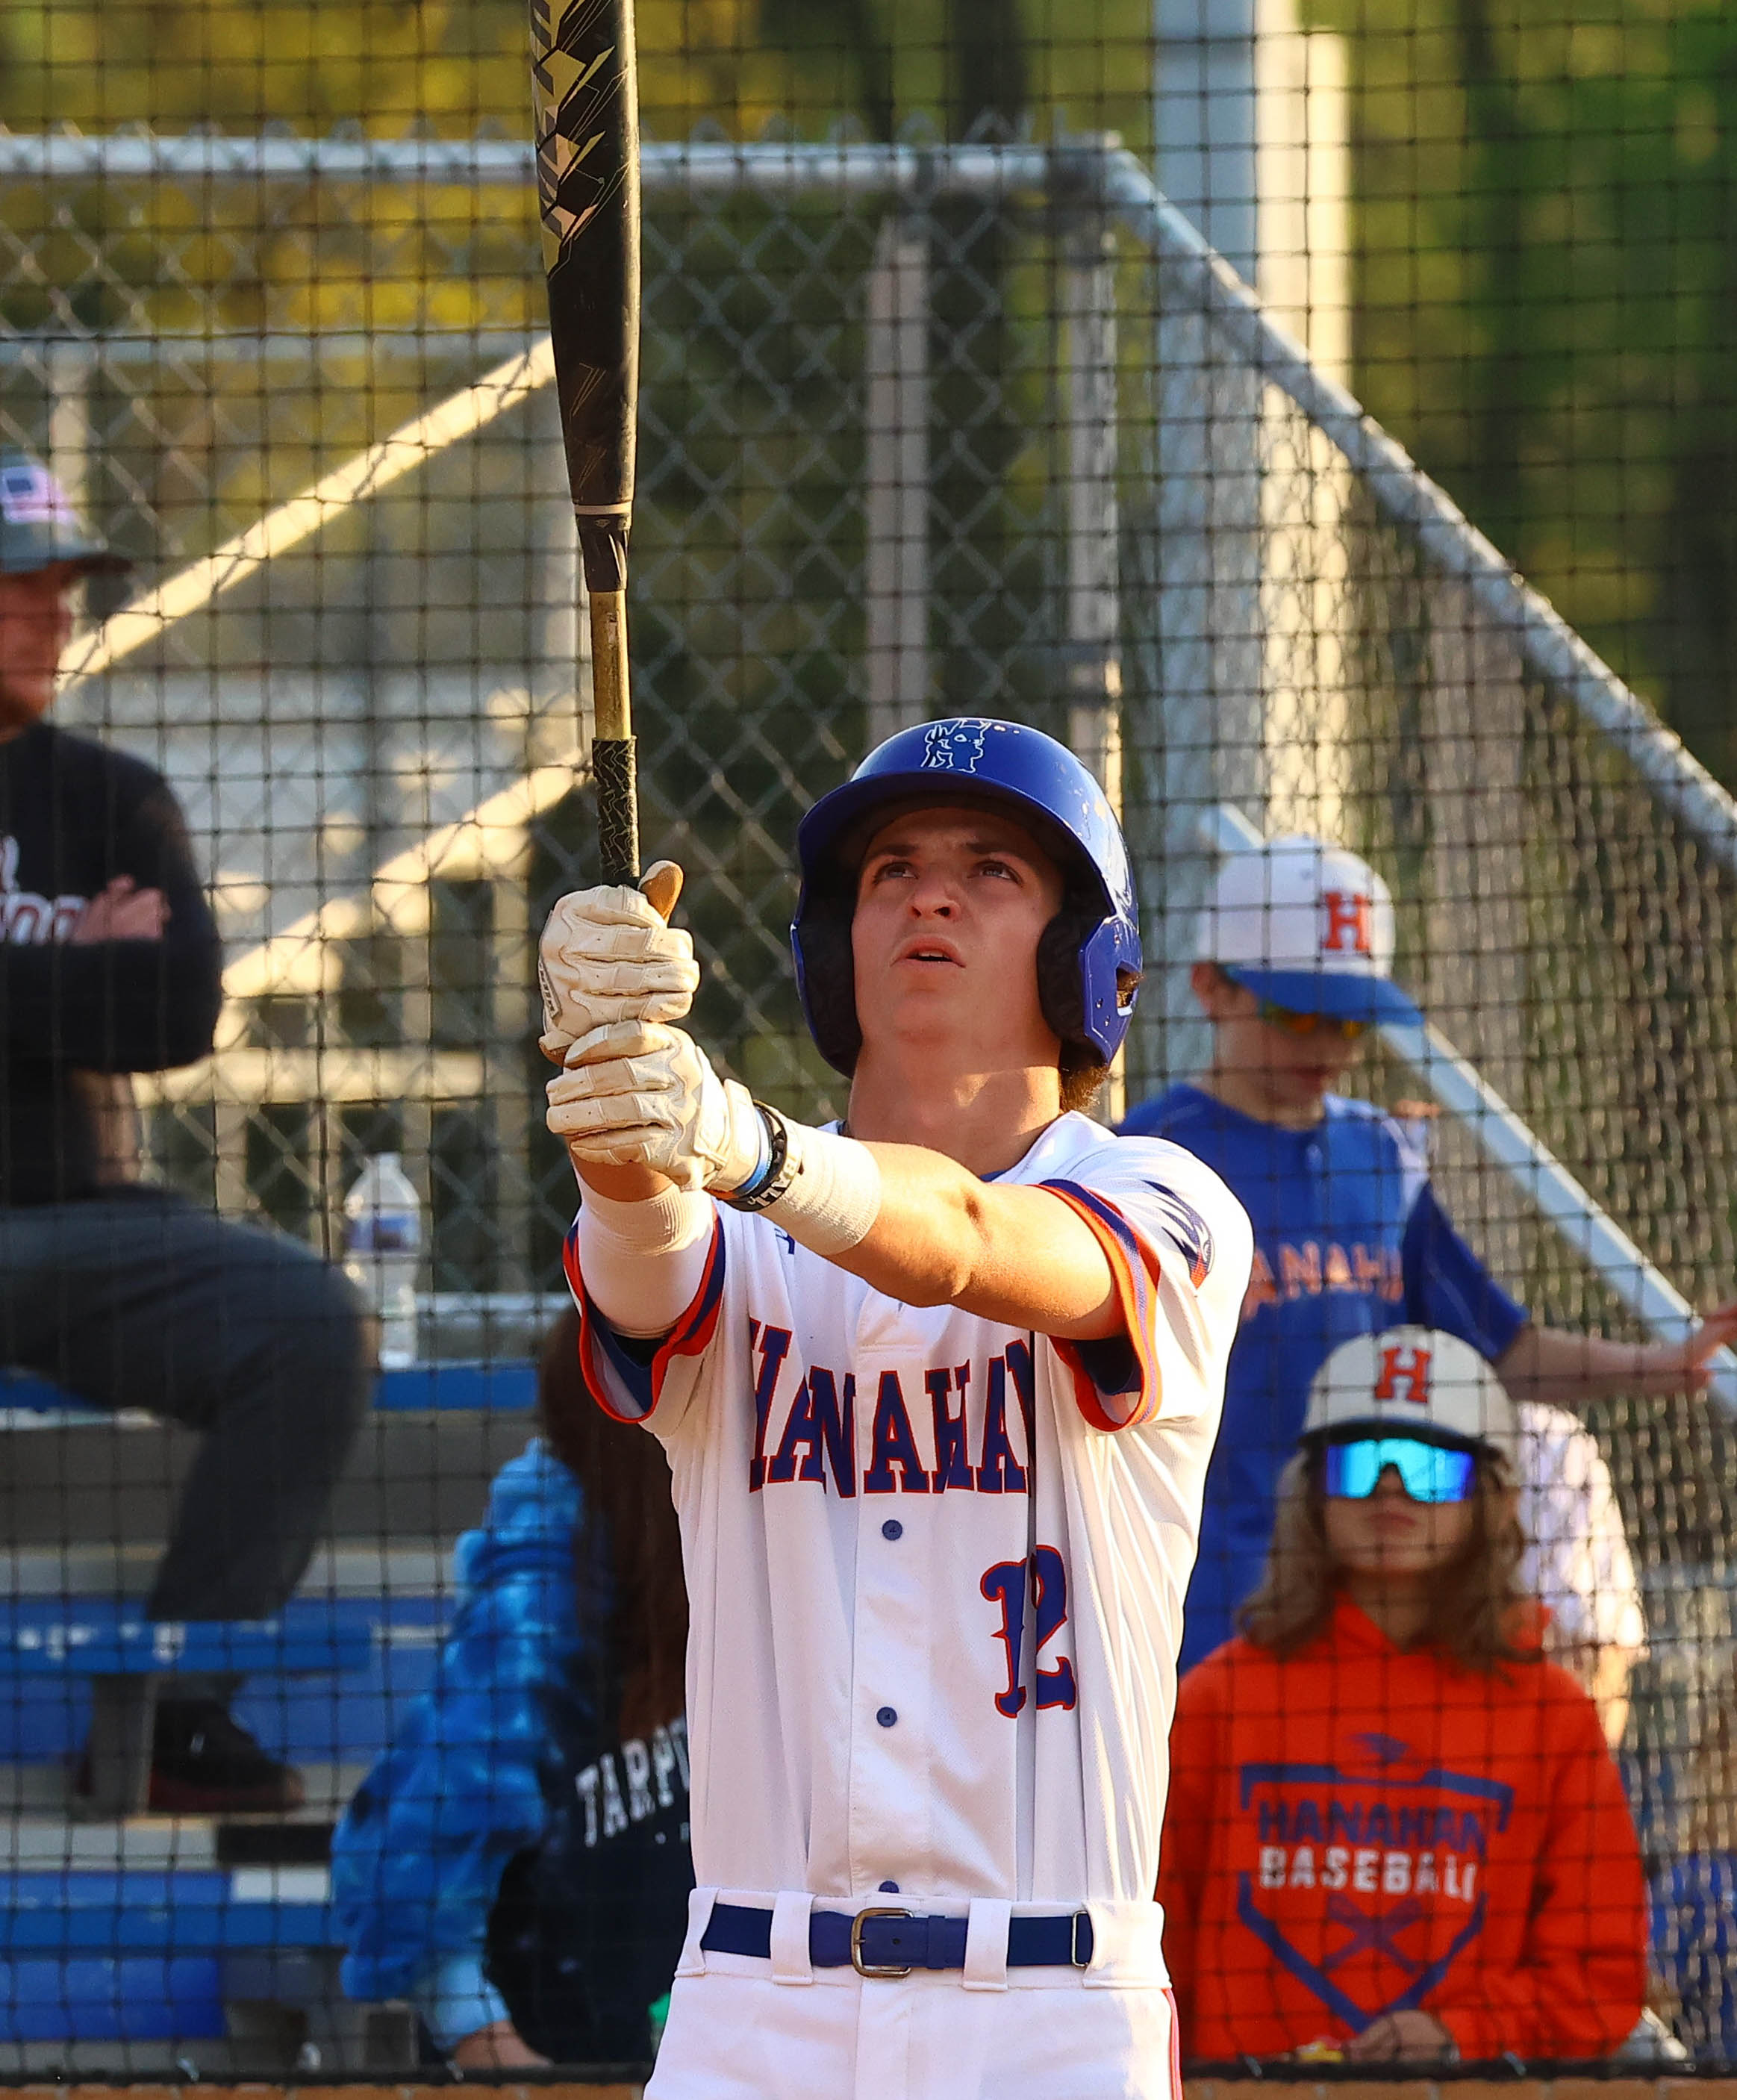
{"points": [[383, 1244]]}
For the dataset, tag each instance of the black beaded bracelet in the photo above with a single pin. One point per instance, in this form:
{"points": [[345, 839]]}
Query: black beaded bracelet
{"points": [[780, 1169]]}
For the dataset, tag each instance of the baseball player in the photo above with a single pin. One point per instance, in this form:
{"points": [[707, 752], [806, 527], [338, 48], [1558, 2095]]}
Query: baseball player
{"points": [[1295, 967], [938, 1388]]}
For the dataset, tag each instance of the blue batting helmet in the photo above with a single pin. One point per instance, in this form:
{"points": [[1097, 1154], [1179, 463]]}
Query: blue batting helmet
{"points": [[1089, 957]]}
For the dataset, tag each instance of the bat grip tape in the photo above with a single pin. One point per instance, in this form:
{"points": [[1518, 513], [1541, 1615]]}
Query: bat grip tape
{"points": [[614, 771]]}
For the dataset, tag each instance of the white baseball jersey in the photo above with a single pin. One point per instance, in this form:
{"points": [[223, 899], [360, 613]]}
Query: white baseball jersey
{"points": [[936, 1566]]}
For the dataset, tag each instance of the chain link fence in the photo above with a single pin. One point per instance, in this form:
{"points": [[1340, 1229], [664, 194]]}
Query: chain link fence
{"points": [[977, 431]]}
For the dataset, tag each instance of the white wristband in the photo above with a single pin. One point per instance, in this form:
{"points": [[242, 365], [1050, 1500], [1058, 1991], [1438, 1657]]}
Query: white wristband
{"points": [[834, 1195], [664, 1223], [643, 1262]]}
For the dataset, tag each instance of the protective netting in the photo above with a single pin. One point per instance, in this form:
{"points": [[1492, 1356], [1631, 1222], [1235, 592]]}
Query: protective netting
{"points": [[933, 434], [1546, 922]]}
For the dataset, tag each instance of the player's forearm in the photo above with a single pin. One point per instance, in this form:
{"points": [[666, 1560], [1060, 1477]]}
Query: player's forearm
{"points": [[938, 1236], [643, 1255], [621, 1184], [1566, 1370], [1009, 1254]]}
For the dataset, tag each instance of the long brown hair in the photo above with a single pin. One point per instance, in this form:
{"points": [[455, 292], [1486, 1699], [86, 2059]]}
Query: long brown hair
{"points": [[626, 1479], [1477, 1609]]}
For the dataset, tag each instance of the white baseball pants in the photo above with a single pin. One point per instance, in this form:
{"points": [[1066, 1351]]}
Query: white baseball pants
{"points": [[741, 2028]]}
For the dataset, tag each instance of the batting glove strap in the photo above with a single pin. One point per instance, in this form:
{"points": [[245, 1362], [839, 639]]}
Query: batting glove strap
{"points": [[775, 1171]]}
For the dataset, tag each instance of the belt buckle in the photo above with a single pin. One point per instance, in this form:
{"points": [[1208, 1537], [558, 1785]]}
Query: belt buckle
{"points": [[875, 1968]]}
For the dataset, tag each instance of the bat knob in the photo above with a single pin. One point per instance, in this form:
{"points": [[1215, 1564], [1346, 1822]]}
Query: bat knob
{"points": [[661, 885]]}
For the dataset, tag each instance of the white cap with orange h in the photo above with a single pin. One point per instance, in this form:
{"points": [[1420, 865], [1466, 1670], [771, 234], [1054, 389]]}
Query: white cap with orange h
{"points": [[1308, 926], [1412, 1381]]}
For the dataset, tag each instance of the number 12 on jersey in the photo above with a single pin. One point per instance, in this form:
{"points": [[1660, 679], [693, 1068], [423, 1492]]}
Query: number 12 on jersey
{"points": [[1044, 1578]]}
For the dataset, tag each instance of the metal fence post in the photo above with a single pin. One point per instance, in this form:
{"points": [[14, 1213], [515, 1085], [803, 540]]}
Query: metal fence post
{"points": [[896, 464], [69, 367], [1094, 602], [1094, 596]]}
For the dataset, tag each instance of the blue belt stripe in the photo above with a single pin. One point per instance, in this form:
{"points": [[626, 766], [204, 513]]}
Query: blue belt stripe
{"points": [[903, 1943]]}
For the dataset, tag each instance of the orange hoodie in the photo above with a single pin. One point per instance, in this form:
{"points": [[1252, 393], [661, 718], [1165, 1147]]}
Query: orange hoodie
{"points": [[1360, 1828]]}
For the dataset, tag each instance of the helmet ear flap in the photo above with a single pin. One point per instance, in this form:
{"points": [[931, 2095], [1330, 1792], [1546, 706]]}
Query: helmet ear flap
{"points": [[826, 966], [1061, 992]]}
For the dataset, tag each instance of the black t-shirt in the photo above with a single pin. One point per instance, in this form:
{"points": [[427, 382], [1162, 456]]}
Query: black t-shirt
{"points": [[586, 1930], [73, 815]]}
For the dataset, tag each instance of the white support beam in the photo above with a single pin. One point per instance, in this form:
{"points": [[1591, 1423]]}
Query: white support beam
{"points": [[681, 169], [247, 1078], [460, 417], [1090, 412]]}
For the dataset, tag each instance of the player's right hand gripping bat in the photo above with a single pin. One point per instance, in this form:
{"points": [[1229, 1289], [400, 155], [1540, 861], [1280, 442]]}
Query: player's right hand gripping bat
{"points": [[584, 97]]}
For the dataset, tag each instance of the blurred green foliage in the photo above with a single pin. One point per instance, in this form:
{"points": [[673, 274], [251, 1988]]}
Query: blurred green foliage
{"points": [[1545, 301], [1545, 235], [392, 66]]}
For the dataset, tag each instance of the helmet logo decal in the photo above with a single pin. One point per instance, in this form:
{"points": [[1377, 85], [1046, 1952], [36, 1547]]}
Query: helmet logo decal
{"points": [[1350, 923], [1410, 1369], [954, 746]]}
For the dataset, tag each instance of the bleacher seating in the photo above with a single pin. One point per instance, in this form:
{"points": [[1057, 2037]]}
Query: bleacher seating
{"points": [[500, 1387], [162, 1932]]}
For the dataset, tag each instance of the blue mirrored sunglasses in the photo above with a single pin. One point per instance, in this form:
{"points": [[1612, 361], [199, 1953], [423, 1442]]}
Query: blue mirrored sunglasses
{"points": [[1428, 1472]]}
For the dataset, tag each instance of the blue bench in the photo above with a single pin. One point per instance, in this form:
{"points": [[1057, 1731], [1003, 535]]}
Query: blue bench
{"points": [[101, 1998], [153, 1951], [160, 1953], [111, 1637], [480, 1386], [471, 1386], [380, 1647], [47, 1641], [186, 1911], [148, 1955]]}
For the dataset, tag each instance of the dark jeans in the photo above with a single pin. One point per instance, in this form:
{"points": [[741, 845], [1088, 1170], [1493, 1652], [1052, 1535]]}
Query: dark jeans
{"points": [[139, 1298]]}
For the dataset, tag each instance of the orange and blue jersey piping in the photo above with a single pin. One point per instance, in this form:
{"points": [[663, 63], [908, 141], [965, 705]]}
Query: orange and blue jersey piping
{"points": [[625, 1384], [1135, 1268]]}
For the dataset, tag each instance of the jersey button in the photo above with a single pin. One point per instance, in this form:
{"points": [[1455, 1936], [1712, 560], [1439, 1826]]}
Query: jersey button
{"points": [[892, 1528], [887, 1716]]}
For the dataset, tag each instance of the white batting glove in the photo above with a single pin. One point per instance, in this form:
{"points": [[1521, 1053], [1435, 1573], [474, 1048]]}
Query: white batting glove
{"points": [[608, 956], [637, 1094]]}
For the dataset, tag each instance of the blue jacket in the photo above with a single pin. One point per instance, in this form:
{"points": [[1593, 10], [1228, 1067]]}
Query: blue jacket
{"points": [[1694, 1948], [417, 1860], [1349, 1239]]}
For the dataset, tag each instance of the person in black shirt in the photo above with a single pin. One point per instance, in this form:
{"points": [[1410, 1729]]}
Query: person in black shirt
{"points": [[125, 1295], [517, 1864]]}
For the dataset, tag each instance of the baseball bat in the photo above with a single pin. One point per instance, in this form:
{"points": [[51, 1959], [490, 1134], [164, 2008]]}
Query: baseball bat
{"points": [[585, 105]]}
